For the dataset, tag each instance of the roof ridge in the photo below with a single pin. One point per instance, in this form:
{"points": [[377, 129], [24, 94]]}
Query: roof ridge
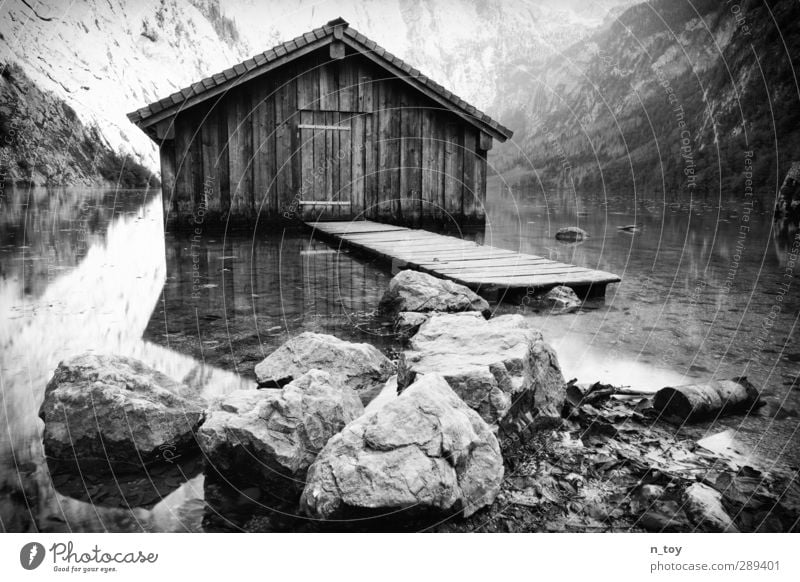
{"points": [[260, 60]]}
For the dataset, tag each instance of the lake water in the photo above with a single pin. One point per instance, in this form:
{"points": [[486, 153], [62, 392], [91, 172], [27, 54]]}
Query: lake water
{"points": [[702, 297]]}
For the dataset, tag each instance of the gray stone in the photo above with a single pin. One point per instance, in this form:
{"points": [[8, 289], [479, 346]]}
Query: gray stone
{"points": [[501, 368], [361, 367], [408, 323], [268, 438], [571, 234], [561, 299], [415, 291], [703, 507], [108, 412], [423, 451]]}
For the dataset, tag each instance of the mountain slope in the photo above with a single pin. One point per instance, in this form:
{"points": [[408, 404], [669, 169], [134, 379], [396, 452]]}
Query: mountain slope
{"points": [[671, 97], [103, 58], [97, 60]]}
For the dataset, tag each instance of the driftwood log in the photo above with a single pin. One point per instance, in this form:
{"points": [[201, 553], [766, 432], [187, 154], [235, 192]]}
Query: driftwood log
{"points": [[579, 394], [698, 401]]}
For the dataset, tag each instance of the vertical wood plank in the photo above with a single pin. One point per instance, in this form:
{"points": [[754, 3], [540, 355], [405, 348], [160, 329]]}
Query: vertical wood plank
{"points": [[209, 135], [328, 95], [183, 177], [307, 185], [268, 146], [263, 125], [357, 153], [393, 153], [480, 186], [382, 136], [366, 93], [468, 189], [440, 142], [196, 158], [366, 90], [294, 135], [166, 153], [331, 176], [453, 168], [346, 80], [428, 204], [240, 153], [319, 158], [223, 158], [345, 157], [284, 112], [410, 160]]}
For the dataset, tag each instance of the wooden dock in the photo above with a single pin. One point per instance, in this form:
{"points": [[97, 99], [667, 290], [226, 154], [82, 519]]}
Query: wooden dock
{"points": [[492, 272]]}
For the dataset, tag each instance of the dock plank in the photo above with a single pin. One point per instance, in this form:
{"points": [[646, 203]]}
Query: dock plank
{"points": [[484, 268]]}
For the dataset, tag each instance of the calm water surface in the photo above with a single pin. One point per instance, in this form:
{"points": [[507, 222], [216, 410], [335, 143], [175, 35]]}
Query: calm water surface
{"points": [[92, 270]]}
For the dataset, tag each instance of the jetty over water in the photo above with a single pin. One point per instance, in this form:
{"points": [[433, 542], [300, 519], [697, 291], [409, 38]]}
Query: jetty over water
{"points": [[492, 272]]}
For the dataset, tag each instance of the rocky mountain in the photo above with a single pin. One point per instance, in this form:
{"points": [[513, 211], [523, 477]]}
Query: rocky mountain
{"points": [[669, 96], [72, 71]]}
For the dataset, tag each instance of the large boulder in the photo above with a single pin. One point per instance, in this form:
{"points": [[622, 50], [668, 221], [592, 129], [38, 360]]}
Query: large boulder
{"points": [[361, 367], [501, 368], [415, 291], [112, 412], [425, 451], [268, 438]]}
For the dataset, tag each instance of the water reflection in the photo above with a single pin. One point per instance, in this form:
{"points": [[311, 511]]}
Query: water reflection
{"points": [[703, 295], [81, 271], [231, 301], [93, 270]]}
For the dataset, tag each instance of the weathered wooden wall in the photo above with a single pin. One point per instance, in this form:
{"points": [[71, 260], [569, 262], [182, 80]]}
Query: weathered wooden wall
{"points": [[248, 156]]}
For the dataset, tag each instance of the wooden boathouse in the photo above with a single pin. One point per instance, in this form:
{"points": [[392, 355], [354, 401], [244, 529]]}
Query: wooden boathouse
{"points": [[327, 126]]}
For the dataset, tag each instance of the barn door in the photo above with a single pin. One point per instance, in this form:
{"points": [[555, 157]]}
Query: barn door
{"points": [[326, 161]]}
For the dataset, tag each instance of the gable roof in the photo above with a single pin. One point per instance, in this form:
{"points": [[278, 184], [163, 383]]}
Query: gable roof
{"points": [[275, 57]]}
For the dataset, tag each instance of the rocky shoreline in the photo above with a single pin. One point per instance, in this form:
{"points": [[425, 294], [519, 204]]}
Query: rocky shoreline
{"points": [[473, 428]]}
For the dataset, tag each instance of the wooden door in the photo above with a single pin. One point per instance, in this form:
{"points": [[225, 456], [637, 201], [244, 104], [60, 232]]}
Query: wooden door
{"points": [[326, 185]]}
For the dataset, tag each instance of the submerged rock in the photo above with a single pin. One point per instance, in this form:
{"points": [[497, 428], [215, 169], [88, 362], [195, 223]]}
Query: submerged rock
{"points": [[561, 299], [571, 234], [501, 368], [269, 438], [106, 412], [415, 291], [424, 451], [361, 367]]}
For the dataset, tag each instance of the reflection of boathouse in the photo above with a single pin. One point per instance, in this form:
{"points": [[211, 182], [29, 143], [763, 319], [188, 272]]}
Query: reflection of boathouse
{"points": [[326, 126]]}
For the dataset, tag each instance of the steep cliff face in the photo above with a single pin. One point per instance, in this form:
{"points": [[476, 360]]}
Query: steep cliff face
{"points": [[83, 65], [670, 97], [45, 143]]}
